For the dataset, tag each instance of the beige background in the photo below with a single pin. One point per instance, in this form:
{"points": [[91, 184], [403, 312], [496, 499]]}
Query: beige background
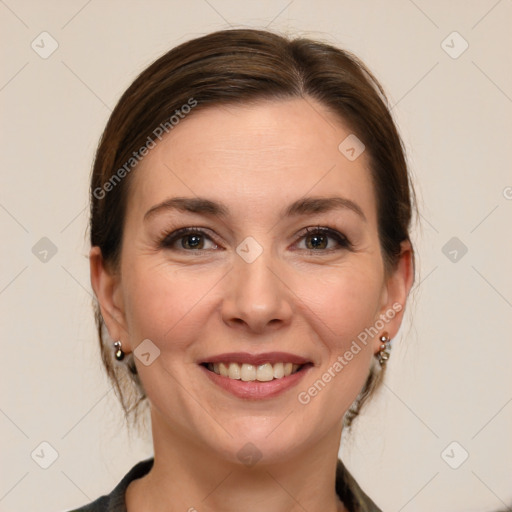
{"points": [[450, 372]]}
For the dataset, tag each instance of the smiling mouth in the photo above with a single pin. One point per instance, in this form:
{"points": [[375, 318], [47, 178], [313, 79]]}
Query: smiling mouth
{"points": [[249, 372]]}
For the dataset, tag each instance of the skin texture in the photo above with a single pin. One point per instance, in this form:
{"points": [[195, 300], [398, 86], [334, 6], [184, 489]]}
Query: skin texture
{"points": [[193, 303]]}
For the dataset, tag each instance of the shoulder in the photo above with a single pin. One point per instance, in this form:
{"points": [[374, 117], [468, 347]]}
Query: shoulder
{"points": [[99, 505], [115, 501], [350, 493]]}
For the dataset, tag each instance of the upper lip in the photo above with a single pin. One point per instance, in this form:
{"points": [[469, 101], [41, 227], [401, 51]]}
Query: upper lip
{"points": [[256, 359]]}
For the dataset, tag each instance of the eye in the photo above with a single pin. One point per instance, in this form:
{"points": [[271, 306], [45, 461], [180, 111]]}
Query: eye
{"points": [[317, 239], [189, 239]]}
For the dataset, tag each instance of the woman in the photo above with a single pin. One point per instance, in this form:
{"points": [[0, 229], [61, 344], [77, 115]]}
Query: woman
{"points": [[251, 258]]}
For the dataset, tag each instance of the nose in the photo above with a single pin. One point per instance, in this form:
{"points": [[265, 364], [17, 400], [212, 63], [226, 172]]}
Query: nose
{"points": [[256, 296]]}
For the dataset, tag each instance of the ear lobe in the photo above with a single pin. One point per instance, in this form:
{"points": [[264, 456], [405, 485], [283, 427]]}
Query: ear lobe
{"points": [[107, 288], [397, 289]]}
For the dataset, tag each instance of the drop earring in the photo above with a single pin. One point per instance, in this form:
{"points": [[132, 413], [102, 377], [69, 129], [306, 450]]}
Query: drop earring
{"points": [[385, 348], [118, 351]]}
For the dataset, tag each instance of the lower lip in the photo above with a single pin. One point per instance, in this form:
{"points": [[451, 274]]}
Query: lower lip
{"points": [[256, 390]]}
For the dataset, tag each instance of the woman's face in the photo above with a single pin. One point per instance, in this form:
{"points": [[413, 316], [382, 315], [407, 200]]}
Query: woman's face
{"points": [[285, 258]]}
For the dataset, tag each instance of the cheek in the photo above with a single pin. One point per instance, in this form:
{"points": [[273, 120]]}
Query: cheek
{"points": [[341, 310], [345, 300], [163, 304]]}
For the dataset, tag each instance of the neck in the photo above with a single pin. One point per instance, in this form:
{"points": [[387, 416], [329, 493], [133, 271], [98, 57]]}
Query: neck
{"points": [[185, 476]]}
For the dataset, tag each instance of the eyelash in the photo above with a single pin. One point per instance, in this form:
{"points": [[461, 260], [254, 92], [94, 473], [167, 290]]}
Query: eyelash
{"points": [[168, 239]]}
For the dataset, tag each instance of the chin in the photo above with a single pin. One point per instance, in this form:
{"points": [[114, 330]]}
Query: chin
{"points": [[265, 444]]}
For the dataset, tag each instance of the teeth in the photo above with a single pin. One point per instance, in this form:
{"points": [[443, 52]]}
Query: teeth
{"points": [[234, 371], [249, 372], [278, 370], [223, 369], [265, 372]]}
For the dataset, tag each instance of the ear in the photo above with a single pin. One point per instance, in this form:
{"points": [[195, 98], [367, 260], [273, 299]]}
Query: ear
{"points": [[108, 290], [395, 292]]}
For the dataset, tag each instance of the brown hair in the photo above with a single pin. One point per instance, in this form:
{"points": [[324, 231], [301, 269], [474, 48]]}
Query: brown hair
{"points": [[237, 67]]}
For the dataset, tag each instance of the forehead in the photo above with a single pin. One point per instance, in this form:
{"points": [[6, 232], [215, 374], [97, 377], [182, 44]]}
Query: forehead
{"points": [[256, 157]]}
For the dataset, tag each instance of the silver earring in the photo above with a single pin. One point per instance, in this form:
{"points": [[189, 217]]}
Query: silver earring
{"points": [[385, 348], [119, 351]]}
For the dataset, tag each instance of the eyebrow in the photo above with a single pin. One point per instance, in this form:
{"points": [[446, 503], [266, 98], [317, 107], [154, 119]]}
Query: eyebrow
{"points": [[303, 206]]}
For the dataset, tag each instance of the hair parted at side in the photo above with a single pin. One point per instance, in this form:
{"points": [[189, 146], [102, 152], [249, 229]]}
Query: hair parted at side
{"points": [[239, 66]]}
